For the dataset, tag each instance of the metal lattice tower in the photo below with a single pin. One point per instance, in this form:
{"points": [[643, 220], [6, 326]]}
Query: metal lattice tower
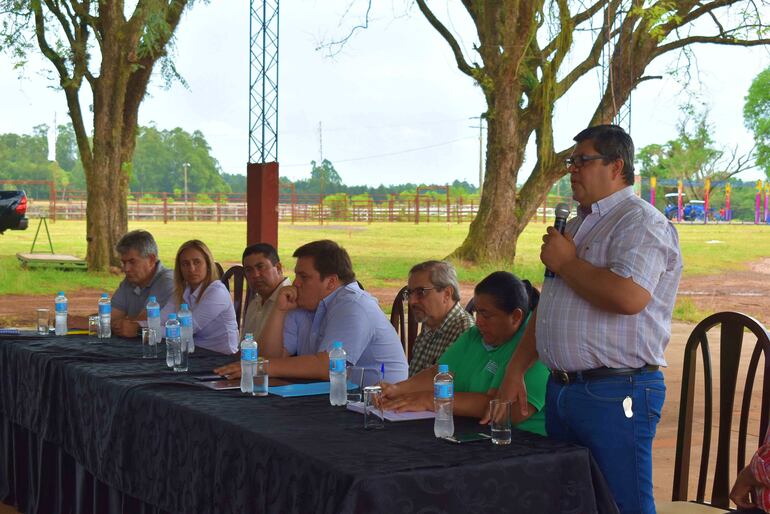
{"points": [[263, 81]]}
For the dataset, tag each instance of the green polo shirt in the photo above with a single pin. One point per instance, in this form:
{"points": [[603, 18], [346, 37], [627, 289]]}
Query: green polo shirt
{"points": [[477, 368]]}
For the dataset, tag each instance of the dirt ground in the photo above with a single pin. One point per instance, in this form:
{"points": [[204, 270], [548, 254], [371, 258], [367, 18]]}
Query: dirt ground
{"points": [[743, 291]]}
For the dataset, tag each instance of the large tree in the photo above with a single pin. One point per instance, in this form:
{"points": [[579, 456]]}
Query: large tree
{"points": [[756, 115], [113, 52], [528, 57]]}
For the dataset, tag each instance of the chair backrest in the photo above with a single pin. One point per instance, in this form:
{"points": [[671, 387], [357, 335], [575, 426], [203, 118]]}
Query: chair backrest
{"points": [[470, 307], [733, 326], [220, 270], [238, 278], [403, 320]]}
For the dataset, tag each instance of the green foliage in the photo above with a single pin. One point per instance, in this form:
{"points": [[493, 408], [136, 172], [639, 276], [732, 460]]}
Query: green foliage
{"points": [[756, 116], [691, 157], [160, 157]]}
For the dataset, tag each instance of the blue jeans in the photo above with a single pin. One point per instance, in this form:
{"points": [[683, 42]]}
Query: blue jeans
{"points": [[590, 413]]}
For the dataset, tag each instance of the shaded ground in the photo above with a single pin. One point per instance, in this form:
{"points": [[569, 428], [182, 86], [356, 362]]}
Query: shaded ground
{"points": [[744, 291]]}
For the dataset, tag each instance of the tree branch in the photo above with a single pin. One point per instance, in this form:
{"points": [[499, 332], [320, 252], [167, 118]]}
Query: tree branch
{"points": [[718, 40], [462, 64]]}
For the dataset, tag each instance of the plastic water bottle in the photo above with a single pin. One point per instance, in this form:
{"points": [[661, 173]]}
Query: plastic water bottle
{"points": [[61, 314], [185, 320], [105, 317], [248, 363], [174, 347], [338, 394], [443, 396], [153, 318]]}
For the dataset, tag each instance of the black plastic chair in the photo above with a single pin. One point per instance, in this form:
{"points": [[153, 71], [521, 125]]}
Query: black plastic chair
{"points": [[240, 302], [733, 327], [403, 320]]}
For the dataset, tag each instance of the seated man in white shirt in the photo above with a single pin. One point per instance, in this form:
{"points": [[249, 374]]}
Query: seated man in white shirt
{"points": [[264, 275]]}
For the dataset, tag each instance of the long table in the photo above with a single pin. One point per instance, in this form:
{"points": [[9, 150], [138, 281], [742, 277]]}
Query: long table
{"points": [[91, 427]]}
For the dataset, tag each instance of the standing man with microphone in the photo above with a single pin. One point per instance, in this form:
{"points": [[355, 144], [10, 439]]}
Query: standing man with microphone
{"points": [[604, 319]]}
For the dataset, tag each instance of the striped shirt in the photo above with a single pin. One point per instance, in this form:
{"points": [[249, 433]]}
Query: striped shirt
{"points": [[631, 238], [760, 468], [431, 344]]}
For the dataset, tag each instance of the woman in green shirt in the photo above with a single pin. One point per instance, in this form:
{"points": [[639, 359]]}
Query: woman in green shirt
{"points": [[478, 358]]}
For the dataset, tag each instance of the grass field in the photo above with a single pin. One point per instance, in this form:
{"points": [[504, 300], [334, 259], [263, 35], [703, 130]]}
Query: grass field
{"points": [[382, 253]]}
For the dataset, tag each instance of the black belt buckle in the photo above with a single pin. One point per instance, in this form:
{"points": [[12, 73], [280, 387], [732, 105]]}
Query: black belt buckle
{"points": [[561, 376]]}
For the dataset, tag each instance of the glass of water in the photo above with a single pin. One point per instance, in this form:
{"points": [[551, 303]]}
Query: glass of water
{"points": [[500, 413], [42, 322], [93, 326], [181, 355], [149, 348], [355, 383], [261, 377]]}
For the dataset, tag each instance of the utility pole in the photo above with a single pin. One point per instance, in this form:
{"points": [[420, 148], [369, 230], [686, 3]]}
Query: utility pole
{"points": [[481, 150], [320, 141], [186, 168]]}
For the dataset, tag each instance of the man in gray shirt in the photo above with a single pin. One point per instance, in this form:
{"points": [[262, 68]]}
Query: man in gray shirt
{"points": [[145, 277]]}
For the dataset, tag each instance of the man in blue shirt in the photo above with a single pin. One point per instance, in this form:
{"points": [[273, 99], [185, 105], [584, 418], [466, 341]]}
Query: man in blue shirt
{"points": [[325, 304]]}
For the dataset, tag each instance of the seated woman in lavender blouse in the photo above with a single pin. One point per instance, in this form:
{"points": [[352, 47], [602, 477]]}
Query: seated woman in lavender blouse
{"points": [[196, 283]]}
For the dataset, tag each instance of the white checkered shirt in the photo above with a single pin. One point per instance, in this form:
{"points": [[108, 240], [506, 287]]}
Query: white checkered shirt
{"points": [[631, 238]]}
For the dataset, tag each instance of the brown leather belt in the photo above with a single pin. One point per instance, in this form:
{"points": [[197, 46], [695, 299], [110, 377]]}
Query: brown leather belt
{"points": [[567, 377]]}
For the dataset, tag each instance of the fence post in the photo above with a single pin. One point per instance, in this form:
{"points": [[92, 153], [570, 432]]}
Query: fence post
{"points": [[165, 208], [417, 208], [545, 206], [219, 206], [52, 201], [448, 212]]}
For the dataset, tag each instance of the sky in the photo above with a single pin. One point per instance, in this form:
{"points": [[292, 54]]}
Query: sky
{"points": [[390, 107]]}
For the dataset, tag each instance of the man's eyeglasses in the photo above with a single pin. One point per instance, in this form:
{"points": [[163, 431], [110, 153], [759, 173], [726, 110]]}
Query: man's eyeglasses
{"points": [[579, 161], [418, 292]]}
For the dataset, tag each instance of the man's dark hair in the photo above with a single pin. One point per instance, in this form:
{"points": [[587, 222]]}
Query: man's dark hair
{"points": [[614, 143], [508, 292], [329, 258], [265, 249]]}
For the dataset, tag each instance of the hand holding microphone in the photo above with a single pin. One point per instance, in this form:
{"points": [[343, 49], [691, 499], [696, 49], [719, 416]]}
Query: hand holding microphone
{"points": [[562, 213]]}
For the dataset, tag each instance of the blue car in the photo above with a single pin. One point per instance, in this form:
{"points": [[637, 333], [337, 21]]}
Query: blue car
{"points": [[694, 210]]}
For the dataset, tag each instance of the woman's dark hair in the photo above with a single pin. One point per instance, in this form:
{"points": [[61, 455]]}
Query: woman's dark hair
{"points": [[508, 292]]}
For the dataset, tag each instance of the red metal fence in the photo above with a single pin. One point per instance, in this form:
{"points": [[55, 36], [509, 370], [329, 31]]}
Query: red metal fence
{"points": [[293, 207]]}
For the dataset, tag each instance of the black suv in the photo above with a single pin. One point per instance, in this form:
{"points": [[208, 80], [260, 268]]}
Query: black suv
{"points": [[13, 207]]}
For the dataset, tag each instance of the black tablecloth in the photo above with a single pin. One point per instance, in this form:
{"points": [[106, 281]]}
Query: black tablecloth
{"points": [[92, 427]]}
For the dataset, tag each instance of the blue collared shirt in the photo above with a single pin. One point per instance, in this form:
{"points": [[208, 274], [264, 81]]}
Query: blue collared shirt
{"points": [[354, 317]]}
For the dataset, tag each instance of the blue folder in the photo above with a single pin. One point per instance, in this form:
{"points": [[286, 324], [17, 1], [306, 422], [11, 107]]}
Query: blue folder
{"points": [[309, 389], [292, 390]]}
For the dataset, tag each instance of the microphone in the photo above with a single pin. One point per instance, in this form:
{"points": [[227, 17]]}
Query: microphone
{"points": [[562, 213]]}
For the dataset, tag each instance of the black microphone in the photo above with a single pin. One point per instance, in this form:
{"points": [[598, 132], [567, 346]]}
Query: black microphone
{"points": [[562, 213]]}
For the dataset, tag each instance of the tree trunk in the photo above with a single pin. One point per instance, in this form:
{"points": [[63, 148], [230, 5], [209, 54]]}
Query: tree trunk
{"points": [[495, 229]]}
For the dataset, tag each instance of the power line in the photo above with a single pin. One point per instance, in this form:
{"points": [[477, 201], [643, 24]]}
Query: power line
{"points": [[401, 152]]}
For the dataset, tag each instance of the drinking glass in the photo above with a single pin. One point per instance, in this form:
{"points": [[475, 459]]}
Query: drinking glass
{"points": [[500, 413], [355, 383], [181, 355], [149, 348], [373, 408], [261, 377], [42, 322], [93, 326]]}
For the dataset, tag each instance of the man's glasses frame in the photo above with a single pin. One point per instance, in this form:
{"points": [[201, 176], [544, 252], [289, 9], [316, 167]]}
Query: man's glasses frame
{"points": [[418, 292], [579, 161]]}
